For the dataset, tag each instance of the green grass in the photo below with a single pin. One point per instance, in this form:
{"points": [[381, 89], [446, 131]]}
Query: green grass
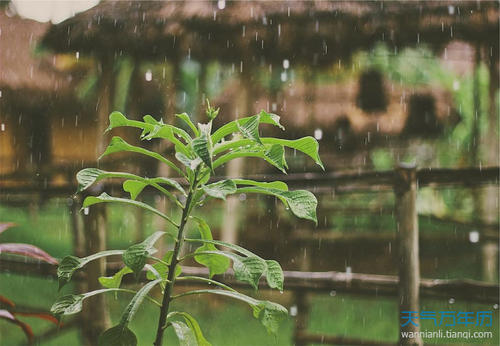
{"points": [[223, 321]]}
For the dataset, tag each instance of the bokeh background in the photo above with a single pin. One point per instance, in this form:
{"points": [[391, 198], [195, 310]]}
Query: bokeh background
{"points": [[375, 82]]}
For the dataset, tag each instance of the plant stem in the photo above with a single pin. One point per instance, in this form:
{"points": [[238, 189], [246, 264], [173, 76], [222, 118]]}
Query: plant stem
{"points": [[171, 268]]}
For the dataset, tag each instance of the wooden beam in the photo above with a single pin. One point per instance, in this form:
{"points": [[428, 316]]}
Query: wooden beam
{"points": [[343, 182], [318, 282]]}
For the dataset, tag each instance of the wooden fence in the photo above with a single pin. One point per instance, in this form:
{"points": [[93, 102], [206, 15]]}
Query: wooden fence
{"points": [[408, 287]]}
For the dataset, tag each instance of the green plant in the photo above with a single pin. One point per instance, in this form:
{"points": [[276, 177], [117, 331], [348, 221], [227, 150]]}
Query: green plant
{"points": [[8, 310], [199, 157]]}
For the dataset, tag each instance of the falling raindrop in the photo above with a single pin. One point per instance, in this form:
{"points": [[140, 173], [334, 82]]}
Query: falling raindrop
{"points": [[77, 55], [474, 236], [318, 134], [456, 85], [221, 4], [286, 64], [148, 76], [284, 76], [451, 301], [86, 211], [293, 310], [2, 127]]}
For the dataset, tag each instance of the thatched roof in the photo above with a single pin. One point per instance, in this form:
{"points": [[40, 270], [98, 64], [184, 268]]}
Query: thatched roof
{"points": [[20, 68], [26, 77], [310, 32]]}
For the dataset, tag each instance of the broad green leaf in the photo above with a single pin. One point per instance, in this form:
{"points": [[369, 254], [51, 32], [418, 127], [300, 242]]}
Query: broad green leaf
{"points": [[307, 145], [88, 176], [268, 313], [117, 119], [184, 117], [216, 264], [66, 268], [272, 269], [70, 264], [72, 303], [162, 269], [117, 145], [272, 154], [202, 146], [118, 336], [68, 305], [249, 128], [136, 255], [193, 325], [220, 189], [184, 334], [273, 184], [192, 164], [166, 131], [274, 275], [248, 269], [302, 203], [276, 156], [227, 129], [105, 198], [135, 258], [115, 280], [136, 301], [167, 181], [234, 247], [134, 187]]}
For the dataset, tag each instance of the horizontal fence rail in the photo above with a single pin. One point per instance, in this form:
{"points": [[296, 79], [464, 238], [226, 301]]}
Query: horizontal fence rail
{"points": [[320, 282], [341, 181]]}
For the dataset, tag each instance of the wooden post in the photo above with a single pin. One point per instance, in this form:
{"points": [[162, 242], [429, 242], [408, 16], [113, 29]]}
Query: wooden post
{"points": [[301, 296], [405, 188], [76, 229], [302, 304], [234, 168], [95, 312], [490, 156]]}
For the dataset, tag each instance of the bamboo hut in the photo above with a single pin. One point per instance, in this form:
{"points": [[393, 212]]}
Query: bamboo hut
{"points": [[35, 98]]}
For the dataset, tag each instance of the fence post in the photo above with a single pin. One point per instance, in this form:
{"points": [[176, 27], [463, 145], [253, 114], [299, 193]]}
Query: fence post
{"points": [[405, 188], [302, 305]]}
